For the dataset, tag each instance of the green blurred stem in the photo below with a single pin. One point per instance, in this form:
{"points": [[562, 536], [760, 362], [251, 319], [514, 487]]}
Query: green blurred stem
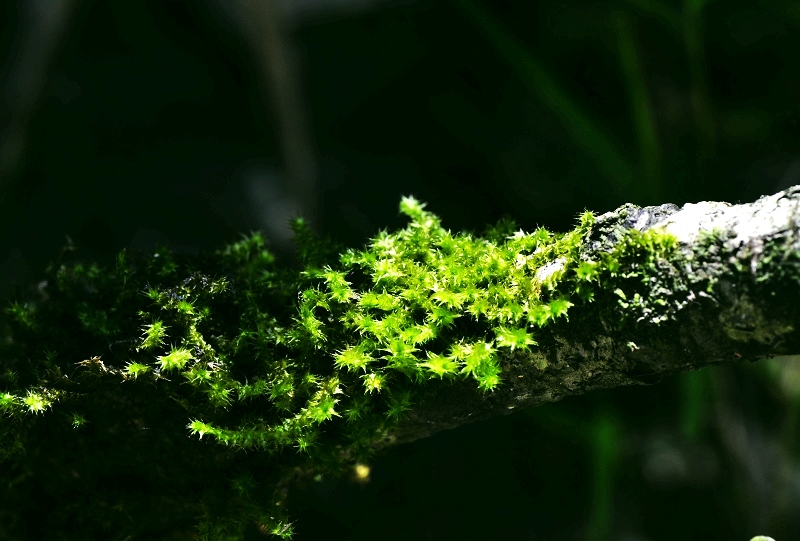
{"points": [[789, 430], [694, 400], [641, 108], [699, 86], [606, 448], [590, 137]]}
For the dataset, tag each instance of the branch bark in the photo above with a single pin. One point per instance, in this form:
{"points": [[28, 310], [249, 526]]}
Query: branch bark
{"points": [[731, 293]]}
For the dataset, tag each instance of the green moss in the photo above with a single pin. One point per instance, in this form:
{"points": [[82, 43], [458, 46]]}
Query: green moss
{"points": [[309, 367], [176, 359], [135, 369], [153, 335], [36, 402]]}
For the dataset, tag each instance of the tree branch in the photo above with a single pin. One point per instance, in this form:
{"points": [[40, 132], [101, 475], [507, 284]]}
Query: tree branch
{"points": [[420, 331], [730, 293]]}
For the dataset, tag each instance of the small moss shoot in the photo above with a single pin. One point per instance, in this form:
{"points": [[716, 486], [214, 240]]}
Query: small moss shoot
{"points": [[307, 368]]}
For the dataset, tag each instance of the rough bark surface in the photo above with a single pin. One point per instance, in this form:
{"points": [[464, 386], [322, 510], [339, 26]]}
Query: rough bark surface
{"points": [[731, 294]]}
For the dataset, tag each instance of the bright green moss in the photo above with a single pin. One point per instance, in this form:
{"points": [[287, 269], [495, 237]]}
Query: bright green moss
{"points": [[373, 382], [513, 338], [176, 359], [153, 335], [135, 369], [441, 365], [7, 402], [306, 366], [36, 402], [353, 358]]}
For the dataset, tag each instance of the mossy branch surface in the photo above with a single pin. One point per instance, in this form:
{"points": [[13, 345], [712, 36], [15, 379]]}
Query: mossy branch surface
{"points": [[207, 383]]}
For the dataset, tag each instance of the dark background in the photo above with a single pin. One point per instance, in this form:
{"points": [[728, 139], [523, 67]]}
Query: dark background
{"points": [[135, 124]]}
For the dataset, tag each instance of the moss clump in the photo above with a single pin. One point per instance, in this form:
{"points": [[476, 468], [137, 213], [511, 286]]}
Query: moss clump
{"points": [[307, 367]]}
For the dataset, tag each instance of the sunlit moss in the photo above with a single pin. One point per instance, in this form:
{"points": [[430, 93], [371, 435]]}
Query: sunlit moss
{"points": [[313, 364]]}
